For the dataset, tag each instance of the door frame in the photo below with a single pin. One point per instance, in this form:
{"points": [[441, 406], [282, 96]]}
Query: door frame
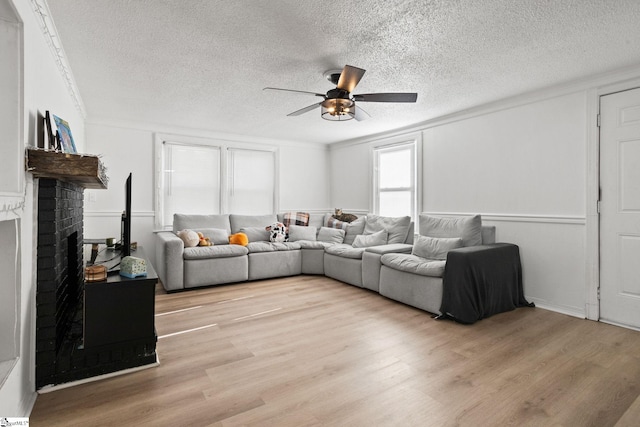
{"points": [[592, 242]]}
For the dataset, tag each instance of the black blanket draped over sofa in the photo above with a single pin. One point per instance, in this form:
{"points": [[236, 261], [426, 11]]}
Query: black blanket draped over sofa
{"points": [[480, 281]]}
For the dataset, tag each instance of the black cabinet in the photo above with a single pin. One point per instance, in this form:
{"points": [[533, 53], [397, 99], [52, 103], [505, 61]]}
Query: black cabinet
{"points": [[120, 310]]}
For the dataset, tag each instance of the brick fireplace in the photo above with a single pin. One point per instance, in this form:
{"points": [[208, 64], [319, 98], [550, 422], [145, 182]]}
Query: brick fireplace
{"points": [[62, 355], [59, 279]]}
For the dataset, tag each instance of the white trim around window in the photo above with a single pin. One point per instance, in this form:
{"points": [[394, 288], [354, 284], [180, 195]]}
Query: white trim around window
{"points": [[396, 176], [222, 170]]}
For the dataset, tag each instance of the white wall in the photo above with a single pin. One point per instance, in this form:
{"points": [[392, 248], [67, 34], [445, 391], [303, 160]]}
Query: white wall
{"points": [[44, 89], [523, 168], [125, 148]]}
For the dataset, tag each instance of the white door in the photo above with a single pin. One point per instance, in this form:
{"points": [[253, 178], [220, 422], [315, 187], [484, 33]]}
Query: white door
{"points": [[620, 208]]}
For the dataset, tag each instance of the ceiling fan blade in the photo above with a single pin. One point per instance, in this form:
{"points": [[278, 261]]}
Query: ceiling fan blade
{"points": [[350, 77], [386, 97], [361, 114], [295, 91], [305, 109]]}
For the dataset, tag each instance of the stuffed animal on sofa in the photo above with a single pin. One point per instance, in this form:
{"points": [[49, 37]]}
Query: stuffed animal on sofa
{"points": [[204, 241], [189, 237], [239, 239], [278, 232]]}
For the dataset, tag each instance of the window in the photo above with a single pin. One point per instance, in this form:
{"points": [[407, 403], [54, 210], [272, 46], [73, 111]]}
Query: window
{"points": [[395, 179], [251, 181], [206, 176], [190, 180]]}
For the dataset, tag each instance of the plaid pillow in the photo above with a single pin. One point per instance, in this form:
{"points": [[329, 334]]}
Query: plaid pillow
{"points": [[334, 223], [295, 218]]}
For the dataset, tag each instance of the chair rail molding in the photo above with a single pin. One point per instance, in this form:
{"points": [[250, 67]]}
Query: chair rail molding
{"points": [[534, 218]]}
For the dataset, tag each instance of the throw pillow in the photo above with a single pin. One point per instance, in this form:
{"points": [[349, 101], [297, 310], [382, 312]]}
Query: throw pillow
{"points": [[239, 239], [397, 227], [256, 234], [299, 232], [277, 232], [217, 236], [336, 223], [469, 229], [354, 229], [189, 237], [295, 218], [435, 248], [368, 240], [331, 235]]}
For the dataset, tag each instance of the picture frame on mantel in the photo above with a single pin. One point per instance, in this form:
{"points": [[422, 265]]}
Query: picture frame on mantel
{"points": [[66, 138], [51, 142]]}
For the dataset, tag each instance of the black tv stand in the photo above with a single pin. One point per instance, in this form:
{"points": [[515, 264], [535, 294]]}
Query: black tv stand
{"points": [[119, 317]]}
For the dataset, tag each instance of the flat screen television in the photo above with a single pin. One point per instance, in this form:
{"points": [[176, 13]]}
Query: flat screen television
{"points": [[126, 220]]}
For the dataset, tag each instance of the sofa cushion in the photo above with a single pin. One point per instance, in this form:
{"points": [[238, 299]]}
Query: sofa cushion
{"points": [[345, 251], [366, 240], [331, 235], [414, 264], [435, 248], [218, 236], [219, 251], [255, 247], [196, 222], [299, 232], [241, 221], [313, 244], [256, 234], [469, 229], [397, 227], [353, 229]]}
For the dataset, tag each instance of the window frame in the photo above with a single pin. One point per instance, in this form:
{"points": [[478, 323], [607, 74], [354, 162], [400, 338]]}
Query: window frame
{"points": [[414, 143], [224, 146]]}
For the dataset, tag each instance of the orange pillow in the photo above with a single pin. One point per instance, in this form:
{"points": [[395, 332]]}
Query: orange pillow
{"points": [[239, 239]]}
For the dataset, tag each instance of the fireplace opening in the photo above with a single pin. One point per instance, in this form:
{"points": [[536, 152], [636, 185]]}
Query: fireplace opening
{"points": [[69, 293]]}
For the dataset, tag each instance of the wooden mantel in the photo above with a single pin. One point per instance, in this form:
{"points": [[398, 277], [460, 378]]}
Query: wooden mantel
{"points": [[84, 170]]}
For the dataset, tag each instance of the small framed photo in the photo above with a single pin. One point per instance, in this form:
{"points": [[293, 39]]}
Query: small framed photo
{"points": [[66, 139], [50, 137]]}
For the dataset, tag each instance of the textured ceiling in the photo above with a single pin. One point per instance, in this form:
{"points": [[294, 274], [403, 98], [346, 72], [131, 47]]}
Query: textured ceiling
{"points": [[202, 64]]}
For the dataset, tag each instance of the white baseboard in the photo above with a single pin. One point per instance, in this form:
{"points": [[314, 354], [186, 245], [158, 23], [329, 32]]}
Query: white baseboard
{"points": [[569, 311]]}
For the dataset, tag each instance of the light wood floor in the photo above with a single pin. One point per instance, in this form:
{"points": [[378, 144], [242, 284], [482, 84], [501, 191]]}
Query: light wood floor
{"points": [[310, 351]]}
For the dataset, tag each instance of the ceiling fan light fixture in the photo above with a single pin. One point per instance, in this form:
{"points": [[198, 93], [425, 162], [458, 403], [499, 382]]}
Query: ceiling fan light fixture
{"points": [[337, 109]]}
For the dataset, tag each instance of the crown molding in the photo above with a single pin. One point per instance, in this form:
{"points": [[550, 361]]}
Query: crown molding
{"points": [[50, 33]]}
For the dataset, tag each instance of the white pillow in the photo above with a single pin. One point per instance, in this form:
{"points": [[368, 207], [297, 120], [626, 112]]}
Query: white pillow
{"points": [[189, 237], [301, 232], [435, 248], [331, 235], [367, 240]]}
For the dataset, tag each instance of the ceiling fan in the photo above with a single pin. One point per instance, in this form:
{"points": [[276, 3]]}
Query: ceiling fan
{"points": [[339, 104]]}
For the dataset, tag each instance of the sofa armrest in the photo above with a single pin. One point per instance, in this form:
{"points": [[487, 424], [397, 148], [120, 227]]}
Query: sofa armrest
{"points": [[169, 259], [393, 248], [480, 281]]}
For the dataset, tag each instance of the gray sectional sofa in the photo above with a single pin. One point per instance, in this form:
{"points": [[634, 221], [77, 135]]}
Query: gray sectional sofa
{"points": [[324, 251], [373, 252]]}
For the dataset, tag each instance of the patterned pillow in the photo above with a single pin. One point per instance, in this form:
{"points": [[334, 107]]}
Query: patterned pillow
{"points": [[295, 218], [335, 223]]}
